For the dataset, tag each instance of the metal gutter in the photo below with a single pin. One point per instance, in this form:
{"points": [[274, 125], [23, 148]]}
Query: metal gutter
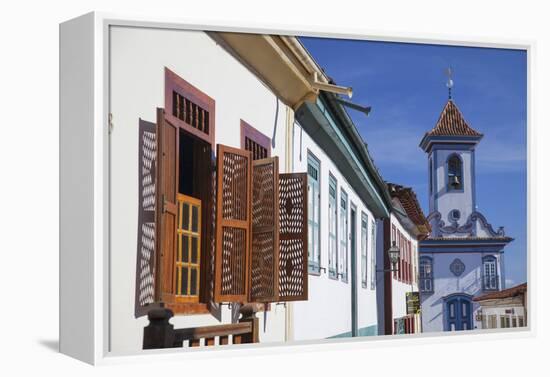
{"points": [[360, 146]]}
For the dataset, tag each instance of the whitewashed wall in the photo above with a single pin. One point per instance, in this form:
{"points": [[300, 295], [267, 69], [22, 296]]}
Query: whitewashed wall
{"points": [[138, 58], [446, 283], [327, 312], [399, 288], [501, 310]]}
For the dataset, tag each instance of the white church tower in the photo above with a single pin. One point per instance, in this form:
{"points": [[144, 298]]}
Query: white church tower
{"points": [[464, 256]]}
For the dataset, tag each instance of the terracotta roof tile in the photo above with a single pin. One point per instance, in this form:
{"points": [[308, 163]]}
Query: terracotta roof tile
{"points": [[452, 123], [506, 293], [408, 200]]}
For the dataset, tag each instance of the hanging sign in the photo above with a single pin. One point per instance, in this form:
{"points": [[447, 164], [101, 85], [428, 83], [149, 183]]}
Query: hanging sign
{"points": [[413, 302]]}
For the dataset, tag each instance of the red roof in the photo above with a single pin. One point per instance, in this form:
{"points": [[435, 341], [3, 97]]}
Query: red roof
{"points": [[506, 293], [452, 123], [408, 200]]}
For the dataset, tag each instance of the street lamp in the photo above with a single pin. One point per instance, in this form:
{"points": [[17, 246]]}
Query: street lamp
{"points": [[393, 254]]}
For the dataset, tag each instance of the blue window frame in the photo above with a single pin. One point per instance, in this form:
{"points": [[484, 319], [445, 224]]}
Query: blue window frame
{"points": [[364, 246], [343, 252], [332, 228], [426, 275], [490, 276], [314, 196]]}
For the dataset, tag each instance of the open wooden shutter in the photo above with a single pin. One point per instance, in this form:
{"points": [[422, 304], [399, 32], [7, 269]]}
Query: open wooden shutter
{"points": [[145, 261], [264, 264], [166, 207], [293, 237], [233, 213]]}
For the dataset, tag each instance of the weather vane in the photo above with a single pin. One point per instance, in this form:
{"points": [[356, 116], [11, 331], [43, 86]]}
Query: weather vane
{"points": [[450, 82]]}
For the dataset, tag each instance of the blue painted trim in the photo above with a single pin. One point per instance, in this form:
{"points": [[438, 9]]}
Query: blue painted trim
{"points": [[364, 331], [314, 265], [456, 299], [473, 179], [436, 182], [452, 147], [343, 140], [428, 142]]}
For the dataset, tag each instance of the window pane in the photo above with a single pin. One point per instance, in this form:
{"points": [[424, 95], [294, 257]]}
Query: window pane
{"points": [[185, 252], [194, 282], [185, 217], [184, 282], [195, 219], [194, 249]]}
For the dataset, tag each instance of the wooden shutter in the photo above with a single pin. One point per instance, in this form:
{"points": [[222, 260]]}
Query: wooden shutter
{"points": [[233, 214], [145, 261], [166, 207], [264, 264], [293, 236]]}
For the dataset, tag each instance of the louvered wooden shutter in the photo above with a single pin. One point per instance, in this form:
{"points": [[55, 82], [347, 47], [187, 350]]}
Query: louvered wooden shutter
{"points": [[145, 261], [293, 237], [233, 214], [166, 207], [264, 265]]}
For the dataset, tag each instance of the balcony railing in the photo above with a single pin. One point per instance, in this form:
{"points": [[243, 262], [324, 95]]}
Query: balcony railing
{"points": [[490, 282]]}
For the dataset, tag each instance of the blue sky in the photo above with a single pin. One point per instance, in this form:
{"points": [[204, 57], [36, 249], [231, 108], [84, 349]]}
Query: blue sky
{"points": [[405, 85]]}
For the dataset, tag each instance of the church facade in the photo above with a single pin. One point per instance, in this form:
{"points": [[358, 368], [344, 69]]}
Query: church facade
{"points": [[463, 257]]}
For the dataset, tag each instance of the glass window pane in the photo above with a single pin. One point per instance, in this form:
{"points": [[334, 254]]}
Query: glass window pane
{"points": [[194, 249], [194, 282], [185, 217], [195, 219], [184, 282], [185, 249]]}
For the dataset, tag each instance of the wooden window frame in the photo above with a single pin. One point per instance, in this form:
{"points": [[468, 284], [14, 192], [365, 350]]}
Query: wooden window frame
{"points": [[174, 83], [248, 131]]}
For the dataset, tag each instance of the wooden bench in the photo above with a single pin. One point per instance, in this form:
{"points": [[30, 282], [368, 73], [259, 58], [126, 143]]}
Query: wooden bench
{"points": [[160, 333]]}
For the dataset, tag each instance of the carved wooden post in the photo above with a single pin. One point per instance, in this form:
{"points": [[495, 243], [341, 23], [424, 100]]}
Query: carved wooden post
{"points": [[159, 333], [248, 313]]}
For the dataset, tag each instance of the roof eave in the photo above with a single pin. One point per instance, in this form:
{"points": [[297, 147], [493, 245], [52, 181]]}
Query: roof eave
{"points": [[428, 141]]}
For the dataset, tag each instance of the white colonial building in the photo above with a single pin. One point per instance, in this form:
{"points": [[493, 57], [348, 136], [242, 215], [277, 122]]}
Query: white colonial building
{"points": [[503, 309], [346, 197], [464, 256], [398, 293]]}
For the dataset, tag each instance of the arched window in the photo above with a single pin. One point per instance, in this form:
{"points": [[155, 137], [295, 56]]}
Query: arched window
{"points": [[454, 173], [490, 277], [426, 275]]}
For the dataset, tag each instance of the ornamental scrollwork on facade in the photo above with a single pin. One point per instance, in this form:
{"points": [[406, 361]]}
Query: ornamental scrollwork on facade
{"points": [[440, 227]]}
